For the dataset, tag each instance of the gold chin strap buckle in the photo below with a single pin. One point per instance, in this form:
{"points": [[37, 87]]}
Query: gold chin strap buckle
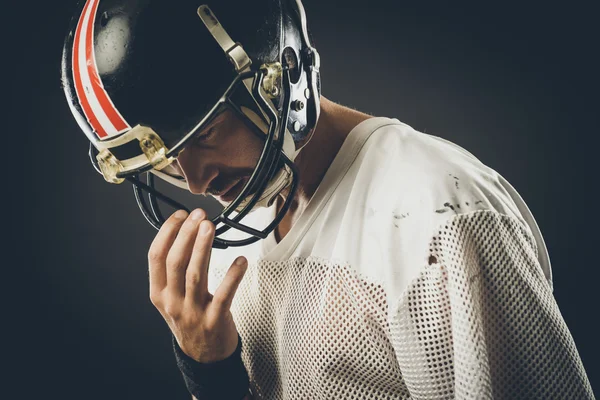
{"points": [[110, 166], [155, 150], [272, 80]]}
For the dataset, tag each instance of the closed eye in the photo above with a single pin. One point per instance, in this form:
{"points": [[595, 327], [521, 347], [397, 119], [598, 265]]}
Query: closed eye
{"points": [[205, 137]]}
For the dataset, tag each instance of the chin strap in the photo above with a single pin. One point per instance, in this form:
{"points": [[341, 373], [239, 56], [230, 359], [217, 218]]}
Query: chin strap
{"points": [[242, 62], [235, 52]]}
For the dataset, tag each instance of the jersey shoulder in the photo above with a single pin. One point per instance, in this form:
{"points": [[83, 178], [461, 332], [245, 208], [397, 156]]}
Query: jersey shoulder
{"points": [[414, 183], [432, 175]]}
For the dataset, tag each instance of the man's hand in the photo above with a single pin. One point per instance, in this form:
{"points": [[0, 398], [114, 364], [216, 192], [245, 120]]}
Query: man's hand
{"points": [[178, 263]]}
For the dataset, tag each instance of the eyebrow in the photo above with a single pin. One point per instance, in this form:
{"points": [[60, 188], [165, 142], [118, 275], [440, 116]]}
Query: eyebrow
{"points": [[217, 119]]}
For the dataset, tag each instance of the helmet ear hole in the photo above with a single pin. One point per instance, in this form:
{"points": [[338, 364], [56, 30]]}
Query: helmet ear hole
{"points": [[290, 59]]}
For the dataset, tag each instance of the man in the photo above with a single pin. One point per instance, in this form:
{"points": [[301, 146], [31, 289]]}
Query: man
{"points": [[355, 257]]}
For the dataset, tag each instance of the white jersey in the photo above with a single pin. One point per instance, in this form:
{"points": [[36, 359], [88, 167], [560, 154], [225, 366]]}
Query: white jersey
{"points": [[415, 272]]}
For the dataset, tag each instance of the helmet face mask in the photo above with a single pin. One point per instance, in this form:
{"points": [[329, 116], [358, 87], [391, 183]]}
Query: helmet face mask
{"points": [[259, 96]]}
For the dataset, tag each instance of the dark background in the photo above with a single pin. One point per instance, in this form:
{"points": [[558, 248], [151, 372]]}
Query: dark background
{"points": [[515, 84]]}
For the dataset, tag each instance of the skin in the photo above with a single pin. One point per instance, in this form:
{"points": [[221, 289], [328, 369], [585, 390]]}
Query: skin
{"points": [[232, 152], [178, 257]]}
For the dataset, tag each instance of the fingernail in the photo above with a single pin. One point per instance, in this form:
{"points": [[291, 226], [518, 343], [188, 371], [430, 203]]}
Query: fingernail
{"points": [[205, 227], [180, 214], [240, 261], [197, 214]]}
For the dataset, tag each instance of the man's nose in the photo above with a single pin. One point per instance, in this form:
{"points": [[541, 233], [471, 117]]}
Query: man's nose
{"points": [[197, 173]]}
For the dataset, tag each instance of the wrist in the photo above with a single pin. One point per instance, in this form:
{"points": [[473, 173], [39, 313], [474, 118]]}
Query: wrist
{"points": [[224, 379]]}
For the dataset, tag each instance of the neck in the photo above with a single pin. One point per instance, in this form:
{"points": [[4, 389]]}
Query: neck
{"points": [[313, 161]]}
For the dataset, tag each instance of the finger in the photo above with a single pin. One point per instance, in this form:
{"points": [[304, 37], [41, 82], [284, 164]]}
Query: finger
{"points": [[197, 274], [180, 253], [159, 249], [225, 293]]}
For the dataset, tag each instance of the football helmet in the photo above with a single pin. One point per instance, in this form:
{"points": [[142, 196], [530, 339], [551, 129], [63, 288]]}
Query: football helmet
{"points": [[144, 77]]}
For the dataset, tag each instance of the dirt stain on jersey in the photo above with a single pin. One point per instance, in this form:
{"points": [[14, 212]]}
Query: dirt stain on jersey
{"points": [[450, 206], [398, 217], [457, 180]]}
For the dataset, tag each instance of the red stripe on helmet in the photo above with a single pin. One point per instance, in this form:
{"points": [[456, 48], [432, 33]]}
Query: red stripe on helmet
{"points": [[108, 107], [81, 94]]}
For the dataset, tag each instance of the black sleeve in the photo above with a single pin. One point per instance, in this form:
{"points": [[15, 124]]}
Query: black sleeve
{"points": [[224, 380]]}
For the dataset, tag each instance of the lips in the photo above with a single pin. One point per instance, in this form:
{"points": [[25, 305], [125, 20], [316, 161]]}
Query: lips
{"points": [[231, 193]]}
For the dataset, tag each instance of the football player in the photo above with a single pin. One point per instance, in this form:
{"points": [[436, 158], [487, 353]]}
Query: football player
{"points": [[354, 256]]}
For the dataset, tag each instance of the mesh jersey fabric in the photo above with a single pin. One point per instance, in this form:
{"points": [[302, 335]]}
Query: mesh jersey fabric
{"points": [[415, 272]]}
